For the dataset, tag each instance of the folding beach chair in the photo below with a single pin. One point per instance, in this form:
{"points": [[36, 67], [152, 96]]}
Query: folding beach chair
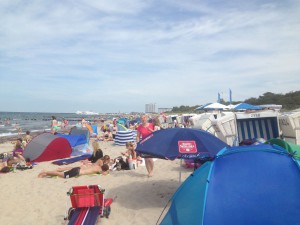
{"points": [[88, 203]]}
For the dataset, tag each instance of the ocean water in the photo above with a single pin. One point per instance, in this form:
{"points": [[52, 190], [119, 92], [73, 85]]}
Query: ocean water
{"points": [[13, 123]]}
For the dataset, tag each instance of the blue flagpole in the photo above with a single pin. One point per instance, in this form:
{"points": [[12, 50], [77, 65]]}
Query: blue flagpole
{"points": [[230, 96]]}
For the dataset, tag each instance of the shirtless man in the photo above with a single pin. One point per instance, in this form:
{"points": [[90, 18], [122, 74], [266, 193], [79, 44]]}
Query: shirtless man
{"points": [[69, 172]]}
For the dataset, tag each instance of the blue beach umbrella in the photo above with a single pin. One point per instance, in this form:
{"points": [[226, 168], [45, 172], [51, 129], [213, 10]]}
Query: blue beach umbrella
{"points": [[242, 185], [182, 143], [246, 106], [203, 106]]}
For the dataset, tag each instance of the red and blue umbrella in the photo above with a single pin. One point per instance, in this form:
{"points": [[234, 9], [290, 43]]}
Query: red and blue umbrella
{"points": [[180, 143]]}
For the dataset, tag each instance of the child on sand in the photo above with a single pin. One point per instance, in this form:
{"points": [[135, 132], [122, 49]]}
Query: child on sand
{"points": [[130, 153]]}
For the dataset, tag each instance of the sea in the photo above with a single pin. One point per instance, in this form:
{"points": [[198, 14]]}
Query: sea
{"points": [[17, 123]]}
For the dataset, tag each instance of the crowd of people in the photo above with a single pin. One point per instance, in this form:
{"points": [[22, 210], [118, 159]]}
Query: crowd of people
{"points": [[108, 131], [97, 162]]}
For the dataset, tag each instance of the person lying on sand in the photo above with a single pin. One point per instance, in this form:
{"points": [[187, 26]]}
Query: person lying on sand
{"points": [[4, 167], [69, 172]]}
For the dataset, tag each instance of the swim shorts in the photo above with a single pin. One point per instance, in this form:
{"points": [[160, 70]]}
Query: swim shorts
{"points": [[56, 128], [72, 172]]}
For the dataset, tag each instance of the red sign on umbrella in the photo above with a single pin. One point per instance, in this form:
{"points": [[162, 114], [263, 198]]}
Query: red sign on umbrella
{"points": [[187, 147]]}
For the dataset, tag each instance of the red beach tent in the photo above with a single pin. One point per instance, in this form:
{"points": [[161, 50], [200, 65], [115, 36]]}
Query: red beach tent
{"points": [[47, 147]]}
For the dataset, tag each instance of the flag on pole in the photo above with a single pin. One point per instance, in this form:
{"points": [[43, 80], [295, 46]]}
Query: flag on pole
{"points": [[219, 98], [230, 96]]}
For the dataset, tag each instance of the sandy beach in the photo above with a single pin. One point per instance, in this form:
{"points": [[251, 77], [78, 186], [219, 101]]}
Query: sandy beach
{"points": [[27, 199]]}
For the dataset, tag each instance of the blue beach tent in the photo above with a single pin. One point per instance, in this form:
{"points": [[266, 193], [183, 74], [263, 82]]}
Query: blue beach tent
{"points": [[122, 121], [74, 140], [75, 130], [120, 127], [243, 185], [78, 142], [82, 147]]}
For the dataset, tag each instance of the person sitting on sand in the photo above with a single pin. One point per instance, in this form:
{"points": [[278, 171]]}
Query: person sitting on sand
{"points": [[122, 162], [18, 150], [97, 154], [130, 153], [6, 166], [108, 136], [69, 172]]}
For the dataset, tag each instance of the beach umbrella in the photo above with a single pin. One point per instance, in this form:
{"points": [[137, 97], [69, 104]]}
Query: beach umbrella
{"points": [[246, 106], [213, 106], [203, 106], [181, 143], [242, 185]]}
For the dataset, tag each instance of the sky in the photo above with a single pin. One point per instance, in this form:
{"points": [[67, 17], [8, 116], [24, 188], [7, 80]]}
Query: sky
{"points": [[116, 56]]}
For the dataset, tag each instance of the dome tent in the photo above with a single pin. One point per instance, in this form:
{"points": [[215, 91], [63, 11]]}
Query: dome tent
{"points": [[47, 147]]}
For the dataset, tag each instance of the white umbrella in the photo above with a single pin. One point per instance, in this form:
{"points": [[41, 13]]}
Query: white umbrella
{"points": [[216, 106]]}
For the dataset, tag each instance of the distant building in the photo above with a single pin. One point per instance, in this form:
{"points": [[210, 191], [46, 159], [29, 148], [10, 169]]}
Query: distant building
{"points": [[160, 110], [150, 108]]}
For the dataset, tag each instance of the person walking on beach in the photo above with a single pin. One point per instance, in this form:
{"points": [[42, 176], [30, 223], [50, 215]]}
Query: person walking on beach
{"points": [[143, 130]]}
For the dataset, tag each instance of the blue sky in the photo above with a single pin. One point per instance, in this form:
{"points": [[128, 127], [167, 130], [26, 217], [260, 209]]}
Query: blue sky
{"points": [[116, 56]]}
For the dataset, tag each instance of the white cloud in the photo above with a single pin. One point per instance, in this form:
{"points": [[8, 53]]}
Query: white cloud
{"points": [[123, 54]]}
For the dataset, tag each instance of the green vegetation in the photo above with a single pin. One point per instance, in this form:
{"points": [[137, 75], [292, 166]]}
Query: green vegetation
{"points": [[288, 101], [184, 109]]}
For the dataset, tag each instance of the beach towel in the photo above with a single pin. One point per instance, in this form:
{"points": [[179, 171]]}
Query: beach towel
{"points": [[71, 160]]}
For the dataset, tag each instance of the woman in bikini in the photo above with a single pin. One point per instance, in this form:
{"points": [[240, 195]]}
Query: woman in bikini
{"points": [[54, 125]]}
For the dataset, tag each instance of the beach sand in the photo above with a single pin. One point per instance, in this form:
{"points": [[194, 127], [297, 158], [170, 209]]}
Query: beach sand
{"points": [[27, 199]]}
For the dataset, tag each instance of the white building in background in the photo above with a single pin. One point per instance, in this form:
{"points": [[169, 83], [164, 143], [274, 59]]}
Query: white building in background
{"points": [[161, 110], [150, 108]]}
